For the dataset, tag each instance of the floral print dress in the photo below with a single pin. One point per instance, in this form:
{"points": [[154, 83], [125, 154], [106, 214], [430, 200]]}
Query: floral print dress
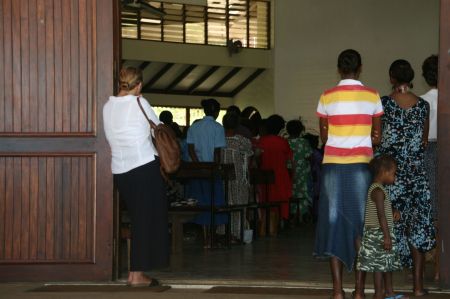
{"points": [[302, 175], [238, 152], [402, 131]]}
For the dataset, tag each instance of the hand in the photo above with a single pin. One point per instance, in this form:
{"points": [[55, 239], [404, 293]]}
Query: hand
{"points": [[396, 215], [387, 243]]}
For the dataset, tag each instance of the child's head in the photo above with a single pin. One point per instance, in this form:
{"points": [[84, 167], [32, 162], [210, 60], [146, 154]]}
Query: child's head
{"points": [[274, 124], [383, 169], [295, 128], [313, 140]]}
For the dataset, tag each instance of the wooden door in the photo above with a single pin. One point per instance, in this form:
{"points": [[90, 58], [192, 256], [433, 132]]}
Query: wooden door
{"points": [[444, 143], [56, 71]]}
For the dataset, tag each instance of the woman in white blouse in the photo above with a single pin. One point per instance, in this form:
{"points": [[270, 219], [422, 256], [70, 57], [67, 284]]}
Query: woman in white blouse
{"points": [[136, 169]]}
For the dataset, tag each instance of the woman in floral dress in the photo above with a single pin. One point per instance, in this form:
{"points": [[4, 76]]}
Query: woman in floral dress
{"points": [[404, 136], [302, 168]]}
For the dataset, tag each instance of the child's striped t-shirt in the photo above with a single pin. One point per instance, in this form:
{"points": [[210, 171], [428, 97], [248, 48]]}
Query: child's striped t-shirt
{"points": [[349, 108]]}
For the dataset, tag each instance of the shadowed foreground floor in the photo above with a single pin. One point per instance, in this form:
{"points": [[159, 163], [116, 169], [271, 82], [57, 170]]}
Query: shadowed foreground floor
{"points": [[271, 267]]}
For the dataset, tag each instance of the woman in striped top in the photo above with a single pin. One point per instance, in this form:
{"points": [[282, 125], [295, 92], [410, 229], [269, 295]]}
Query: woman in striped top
{"points": [[349, 125], [378, 252]]}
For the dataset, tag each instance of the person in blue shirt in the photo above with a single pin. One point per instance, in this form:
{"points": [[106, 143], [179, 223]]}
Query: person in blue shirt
{"points": [[205, 138]]}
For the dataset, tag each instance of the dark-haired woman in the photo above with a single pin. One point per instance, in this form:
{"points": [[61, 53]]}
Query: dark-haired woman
{"points": [[404, 136], [275, 155], [136, 168], [349, 125]]}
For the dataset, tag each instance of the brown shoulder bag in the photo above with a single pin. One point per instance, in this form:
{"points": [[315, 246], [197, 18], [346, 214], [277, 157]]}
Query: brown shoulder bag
{"points": [[166, 143]]}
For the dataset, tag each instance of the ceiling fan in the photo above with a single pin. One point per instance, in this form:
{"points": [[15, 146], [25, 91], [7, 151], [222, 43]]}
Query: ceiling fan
{"points": [[143, 5]]}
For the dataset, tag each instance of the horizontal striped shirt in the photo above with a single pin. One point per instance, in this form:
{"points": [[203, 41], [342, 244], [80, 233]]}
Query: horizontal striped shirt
{"points": [[349, 108], [371, 215]]}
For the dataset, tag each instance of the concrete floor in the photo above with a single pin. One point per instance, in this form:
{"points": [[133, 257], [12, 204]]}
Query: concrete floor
{"points": [[271, 261], [276, 267]]}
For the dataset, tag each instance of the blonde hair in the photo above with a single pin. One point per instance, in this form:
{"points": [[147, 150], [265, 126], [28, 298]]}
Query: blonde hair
{"points": [[129, 78]]}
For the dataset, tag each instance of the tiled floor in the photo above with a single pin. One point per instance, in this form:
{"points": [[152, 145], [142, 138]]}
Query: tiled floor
{"points": [[283, 260]]}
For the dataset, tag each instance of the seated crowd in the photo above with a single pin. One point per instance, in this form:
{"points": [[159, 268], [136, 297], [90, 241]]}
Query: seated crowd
{"points": [[251, 144]]}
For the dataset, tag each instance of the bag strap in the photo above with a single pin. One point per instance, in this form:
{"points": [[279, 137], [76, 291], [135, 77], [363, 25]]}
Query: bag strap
{"points": [[152, 124]]}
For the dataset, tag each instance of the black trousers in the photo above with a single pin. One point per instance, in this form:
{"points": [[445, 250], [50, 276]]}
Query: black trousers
{"points": [[144, 192]]}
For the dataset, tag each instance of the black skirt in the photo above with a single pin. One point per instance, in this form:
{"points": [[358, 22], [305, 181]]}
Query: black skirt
{"points": [[144, 192]]}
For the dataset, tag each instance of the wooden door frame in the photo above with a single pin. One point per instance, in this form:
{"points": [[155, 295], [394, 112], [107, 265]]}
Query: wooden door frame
{"points": [[443, 162]]}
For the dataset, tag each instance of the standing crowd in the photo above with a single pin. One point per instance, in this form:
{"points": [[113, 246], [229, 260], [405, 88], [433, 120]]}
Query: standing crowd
{"points": [[372, 214]]}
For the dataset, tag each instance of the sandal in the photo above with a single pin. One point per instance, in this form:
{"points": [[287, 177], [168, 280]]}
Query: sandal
{"points": [[153, 283]]}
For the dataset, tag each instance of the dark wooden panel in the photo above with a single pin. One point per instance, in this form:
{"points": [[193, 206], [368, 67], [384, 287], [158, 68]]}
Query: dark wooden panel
{"points": [[50, 188], [16, 67], [34, 217], [49, 61], [2, 73], [65, 4], [7, 46], [33, 67], [58, 213], [25, 225], [444, 143], [2, 205], [25, 65], [41, 111], [49, 67], [58, 65]]}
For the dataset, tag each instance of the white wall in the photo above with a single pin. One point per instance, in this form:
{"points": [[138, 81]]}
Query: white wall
{"points": [[194, 54], [258, 94], [309, 35]]}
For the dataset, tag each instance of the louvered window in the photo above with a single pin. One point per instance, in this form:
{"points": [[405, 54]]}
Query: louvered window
{"points": [[173, 23], [195, 24], [216, 24], [150, 25]]}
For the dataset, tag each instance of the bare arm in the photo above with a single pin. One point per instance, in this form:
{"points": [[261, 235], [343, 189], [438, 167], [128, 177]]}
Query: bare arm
{"points": [[376, 130], [192, 154], [323, 123], [378, 198]]}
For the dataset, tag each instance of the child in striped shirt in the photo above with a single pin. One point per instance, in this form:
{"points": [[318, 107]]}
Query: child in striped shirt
{"points": [[377, 253]]}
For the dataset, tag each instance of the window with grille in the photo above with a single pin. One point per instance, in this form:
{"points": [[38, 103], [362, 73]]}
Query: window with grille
{"points": [[215, 24]]}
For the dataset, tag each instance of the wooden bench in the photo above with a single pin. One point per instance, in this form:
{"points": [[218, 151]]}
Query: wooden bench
{"points": [[210, 171]]}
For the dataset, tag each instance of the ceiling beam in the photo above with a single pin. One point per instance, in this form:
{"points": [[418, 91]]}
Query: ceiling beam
{"points": [[143, 65], [158, 76], [225, 79], [247, 81], [202, 79], [180, 78]]}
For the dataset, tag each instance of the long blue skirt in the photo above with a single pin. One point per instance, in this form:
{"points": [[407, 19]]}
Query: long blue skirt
{"points": [[201, 191], [342, 202]]}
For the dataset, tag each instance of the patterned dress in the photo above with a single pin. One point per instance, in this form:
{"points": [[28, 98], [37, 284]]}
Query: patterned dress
{"points": [[410, 194], [302, 176], [238, 152]]}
